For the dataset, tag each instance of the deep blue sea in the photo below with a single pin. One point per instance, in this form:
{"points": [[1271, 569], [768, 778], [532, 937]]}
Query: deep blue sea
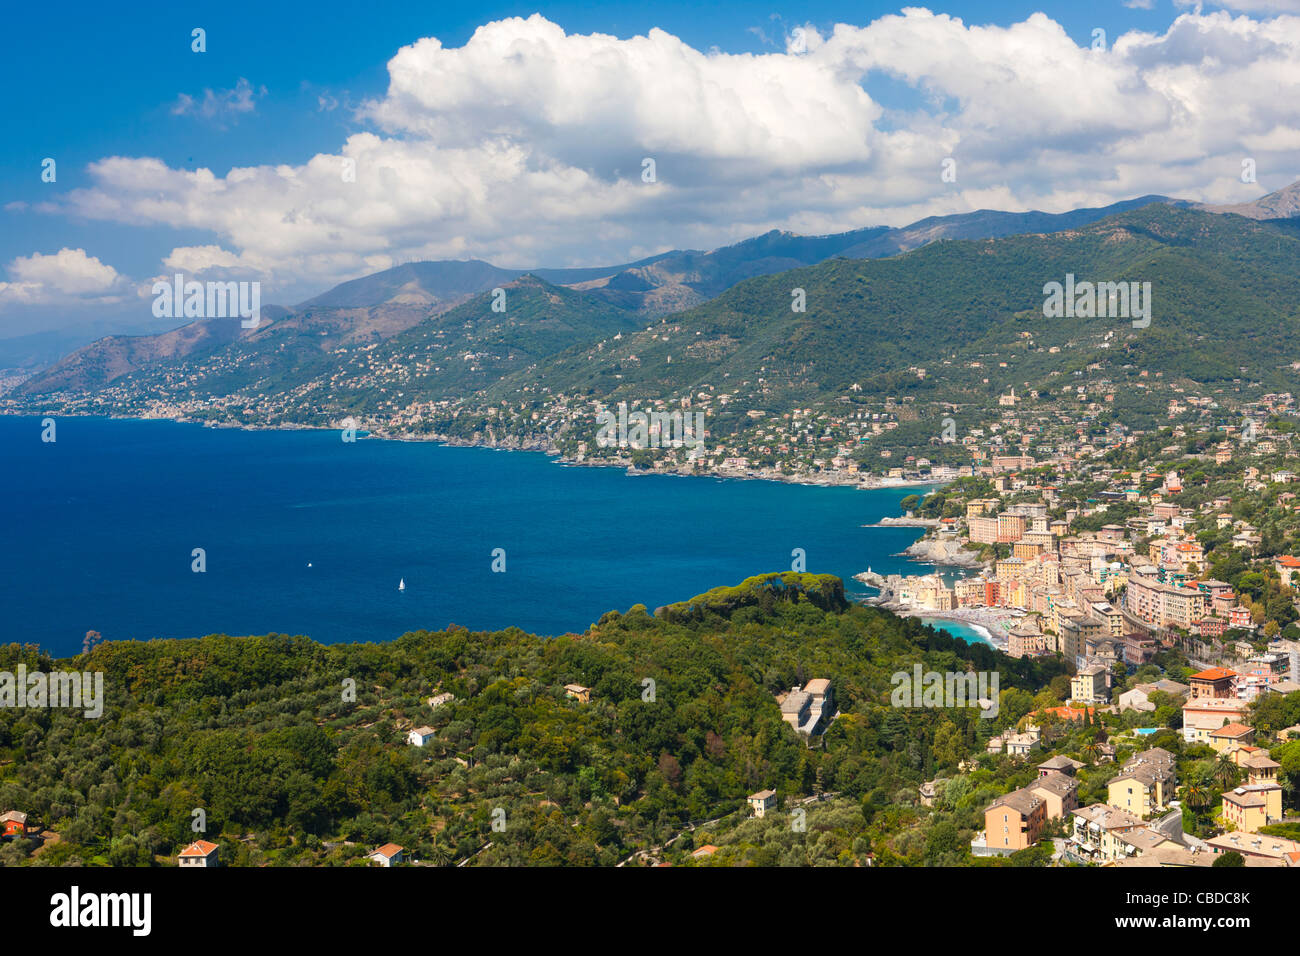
{"points": [[306, 534]]}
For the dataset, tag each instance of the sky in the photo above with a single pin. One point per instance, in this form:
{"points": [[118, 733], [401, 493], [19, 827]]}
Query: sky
{"points": [[307, 145]]}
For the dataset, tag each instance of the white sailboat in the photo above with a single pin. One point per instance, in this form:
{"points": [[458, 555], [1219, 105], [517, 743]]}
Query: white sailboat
{"points": [[401, 585]]}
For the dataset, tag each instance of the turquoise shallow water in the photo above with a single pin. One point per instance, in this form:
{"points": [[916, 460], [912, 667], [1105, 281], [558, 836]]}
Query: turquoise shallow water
{"points": [[957, 629], [101, 524]]}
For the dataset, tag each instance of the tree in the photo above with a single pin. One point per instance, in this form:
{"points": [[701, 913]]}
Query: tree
{"points": [[1225, 771], [1231, 858]]}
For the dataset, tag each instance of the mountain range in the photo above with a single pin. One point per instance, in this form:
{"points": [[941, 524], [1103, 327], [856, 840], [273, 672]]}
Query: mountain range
{"points": [[596, 328]]}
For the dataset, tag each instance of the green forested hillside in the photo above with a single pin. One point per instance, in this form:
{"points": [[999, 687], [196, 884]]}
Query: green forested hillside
{"points": [[256, 732], [1225, 292]]}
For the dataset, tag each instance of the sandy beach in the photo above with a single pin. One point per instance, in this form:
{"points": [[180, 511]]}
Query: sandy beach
{"points": [[991, 622]]}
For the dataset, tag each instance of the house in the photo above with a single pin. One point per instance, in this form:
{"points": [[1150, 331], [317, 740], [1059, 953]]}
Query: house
{"points": [[927, 793], [1286, 566], [199, 853], [1252, 845], [439, 699], [1245, 810], [1059, 764], [762, 801], [807, 709], [1288, 733], [13, 823], [1258, 802], [1059, 792], [1103, 834], [1019, 745], [1231, 736], [390, 854], [1168, 855], [1013, 821], [579, 693], [1213, 703], [1145, 783], [1139, 698], [705, 851], [1201, 717], [420, 736]]}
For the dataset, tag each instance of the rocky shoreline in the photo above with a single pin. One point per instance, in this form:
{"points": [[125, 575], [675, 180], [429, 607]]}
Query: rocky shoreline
{"points": [[515, 443], [948, 553], [890, 522]]}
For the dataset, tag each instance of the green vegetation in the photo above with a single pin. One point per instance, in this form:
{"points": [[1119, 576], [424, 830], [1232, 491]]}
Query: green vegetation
{"points": [[257, 732]]}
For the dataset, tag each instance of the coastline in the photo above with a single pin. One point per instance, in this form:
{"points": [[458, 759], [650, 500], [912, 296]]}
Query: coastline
{"points": [[830, 480], [991, 623]]}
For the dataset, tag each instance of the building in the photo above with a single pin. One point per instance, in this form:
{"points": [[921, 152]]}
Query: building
{"points": [[439, 699], [1286, 566], [1157, 603], [579, 693], [808, 709], [13, 823], [1254, 845], [762, 801], [1139, 698], [1090, 684], [1217, 682], [1026, 640], [1103, 834], [1013, 821], [1231, 736], [1020, 745], [1059, 793], [199, 853], [1145, 784], [1258, 802], [390, 854], [420, 736], [1059, 764]]}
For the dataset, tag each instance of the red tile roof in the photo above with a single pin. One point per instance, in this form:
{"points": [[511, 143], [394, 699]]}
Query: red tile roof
{"points": [[1214, 673], [198, 848], [1232, 730]]}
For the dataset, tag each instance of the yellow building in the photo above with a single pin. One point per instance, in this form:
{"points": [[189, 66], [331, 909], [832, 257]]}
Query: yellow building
{"points": [[1258, 802], [1145, 784], [1231, 737]]}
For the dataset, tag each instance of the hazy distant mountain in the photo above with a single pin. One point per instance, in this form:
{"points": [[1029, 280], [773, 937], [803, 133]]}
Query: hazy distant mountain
{"points": [[1282, 204], [377, 307], [95, 365], [956, 322], [438, 286], [990, 224]]}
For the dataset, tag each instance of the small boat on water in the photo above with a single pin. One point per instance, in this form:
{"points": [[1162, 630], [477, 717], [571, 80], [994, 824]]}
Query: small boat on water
{"points": [[401, 585]]}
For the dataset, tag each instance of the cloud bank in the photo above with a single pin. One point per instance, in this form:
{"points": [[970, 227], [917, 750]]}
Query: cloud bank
{"points": [[527, 146]]}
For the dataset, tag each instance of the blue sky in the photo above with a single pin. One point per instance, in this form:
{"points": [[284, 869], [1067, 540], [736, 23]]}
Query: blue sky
{"points": [[88, 82]]}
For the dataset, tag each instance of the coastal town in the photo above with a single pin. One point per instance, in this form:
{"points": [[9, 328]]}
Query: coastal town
{"points": [[1168, 589]]}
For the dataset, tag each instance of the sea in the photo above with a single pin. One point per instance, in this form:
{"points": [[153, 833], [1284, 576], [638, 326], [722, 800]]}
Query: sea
{"points": [[142, 529]]}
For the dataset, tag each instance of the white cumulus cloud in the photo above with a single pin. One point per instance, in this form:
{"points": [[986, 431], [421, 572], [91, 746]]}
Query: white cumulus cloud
{"points": [[527, 145], [69, 275]]}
